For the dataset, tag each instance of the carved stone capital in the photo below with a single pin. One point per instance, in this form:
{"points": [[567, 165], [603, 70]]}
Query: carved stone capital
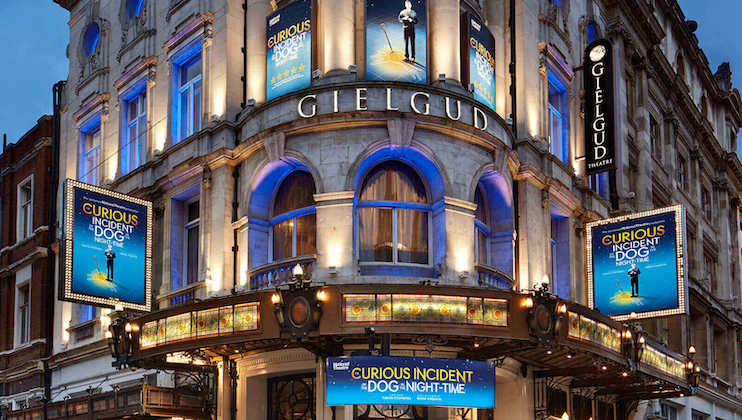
{"points": [[274, 146], [400, 131]]}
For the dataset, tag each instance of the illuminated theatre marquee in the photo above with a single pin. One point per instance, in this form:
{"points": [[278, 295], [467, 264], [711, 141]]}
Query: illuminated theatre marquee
{"points": [[106, 248], [389, 99]]}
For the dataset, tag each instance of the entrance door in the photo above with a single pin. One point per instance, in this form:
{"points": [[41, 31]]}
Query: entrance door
{"points": [[291, 397]]}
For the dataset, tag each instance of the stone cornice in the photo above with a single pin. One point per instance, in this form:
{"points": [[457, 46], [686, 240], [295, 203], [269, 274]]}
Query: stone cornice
{"points": [[198, 22], [146, 63], [98, 100]]}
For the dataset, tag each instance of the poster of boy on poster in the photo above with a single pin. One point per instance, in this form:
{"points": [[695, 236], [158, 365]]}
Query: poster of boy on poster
{"points": [[396, 40], [636, 265]]}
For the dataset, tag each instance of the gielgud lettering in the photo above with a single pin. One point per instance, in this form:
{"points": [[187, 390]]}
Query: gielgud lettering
{"points": [[419, 103], [597, 71]]}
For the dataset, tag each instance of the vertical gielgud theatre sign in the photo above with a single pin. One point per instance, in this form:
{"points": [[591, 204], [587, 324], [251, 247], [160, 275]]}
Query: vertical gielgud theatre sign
{"points": [[635, 263], [289, 49], [106, 257], [599, 125]]}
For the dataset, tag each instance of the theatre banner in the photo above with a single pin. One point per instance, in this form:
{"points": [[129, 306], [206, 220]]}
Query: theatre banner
{"points": [[106, 248], [599, 116], [480, 60], [396, 40], [636, 263], [289, 49], [410, 381]]}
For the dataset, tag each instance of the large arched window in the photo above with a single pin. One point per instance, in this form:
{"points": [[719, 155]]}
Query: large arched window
{"points": [[393, 216], [294, 218]]}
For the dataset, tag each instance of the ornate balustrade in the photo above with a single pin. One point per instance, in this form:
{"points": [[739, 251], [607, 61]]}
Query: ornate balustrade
{"points": [[280, 272], [492, 278]]}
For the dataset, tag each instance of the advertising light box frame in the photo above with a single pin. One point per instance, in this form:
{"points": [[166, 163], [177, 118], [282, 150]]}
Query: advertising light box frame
{"points": [[410, 381], [67, 291], [681, 303]]}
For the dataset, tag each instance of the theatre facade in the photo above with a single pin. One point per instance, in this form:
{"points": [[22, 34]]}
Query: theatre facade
{"points": [[380, 209]]}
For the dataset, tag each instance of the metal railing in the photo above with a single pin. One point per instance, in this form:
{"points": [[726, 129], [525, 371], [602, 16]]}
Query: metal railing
{"points": [[280, 272]]}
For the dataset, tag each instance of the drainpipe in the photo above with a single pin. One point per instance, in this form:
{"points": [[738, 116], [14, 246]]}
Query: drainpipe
{"points": [[57, 90], [244, 56], [514, 116], [235, 209]]}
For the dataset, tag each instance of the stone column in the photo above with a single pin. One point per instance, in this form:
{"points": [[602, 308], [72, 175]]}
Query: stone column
{"points": [[218, 228], [337, 20], [257, 11], [335, 259], [532, 236], [459, 252], [445, 47], [514, 393]]}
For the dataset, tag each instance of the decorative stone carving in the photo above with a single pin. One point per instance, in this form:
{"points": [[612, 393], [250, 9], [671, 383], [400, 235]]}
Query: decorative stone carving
{"points": [[274, 146], [400, 131]]}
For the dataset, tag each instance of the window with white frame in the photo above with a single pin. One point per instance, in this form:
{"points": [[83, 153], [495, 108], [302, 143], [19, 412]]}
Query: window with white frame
{"points": [[682, 175], [669, 412], [185, 218], [24, 313], [134, 134], [558, 118], [89, 159], [393, 216], [188, 100], [656, 138], [25, 208], [85, 313], [600, 184], [191, 228]]}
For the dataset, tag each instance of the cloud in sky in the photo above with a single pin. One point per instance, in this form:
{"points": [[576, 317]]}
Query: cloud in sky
{"points": [[35, 42]]}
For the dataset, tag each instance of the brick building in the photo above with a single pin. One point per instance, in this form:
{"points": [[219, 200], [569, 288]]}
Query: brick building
{"points": [[26, 284]]}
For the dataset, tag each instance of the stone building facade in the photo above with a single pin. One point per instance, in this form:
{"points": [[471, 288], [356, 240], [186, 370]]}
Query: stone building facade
{"points": [[395, 184]]}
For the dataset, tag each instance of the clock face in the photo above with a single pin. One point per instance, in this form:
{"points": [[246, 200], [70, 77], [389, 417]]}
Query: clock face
{"points": [[597, 53]]}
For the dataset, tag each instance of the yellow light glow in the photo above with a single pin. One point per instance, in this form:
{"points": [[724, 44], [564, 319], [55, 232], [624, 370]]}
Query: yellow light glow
{"points": [[689, 365], [565, 416], [527, 302], [220, 98], [276, 298], [462, 259], [641, 340], [322, 296], [691, 350], [127, 327], [335, 255], [108, 334], [562, 308]]}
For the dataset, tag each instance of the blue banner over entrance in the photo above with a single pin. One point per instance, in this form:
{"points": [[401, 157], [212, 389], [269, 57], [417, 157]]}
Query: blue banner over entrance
{"points": [[411, 381]]}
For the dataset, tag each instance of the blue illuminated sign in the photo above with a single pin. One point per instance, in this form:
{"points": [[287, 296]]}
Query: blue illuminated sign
{"points": [[289, 49], [481, 61], [410, 381], [107, 248], [635, 264]]}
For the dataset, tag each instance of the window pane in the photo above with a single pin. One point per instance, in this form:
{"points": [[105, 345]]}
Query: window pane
{"points": [[412, 234], [193, 210], [282, 240], [131, 110], [295, 192], [375, 227], [306, 226], [481, 212], [481, 247], [196, 107], [393, 181], [192, 260], [184, 114], [190, 70]]}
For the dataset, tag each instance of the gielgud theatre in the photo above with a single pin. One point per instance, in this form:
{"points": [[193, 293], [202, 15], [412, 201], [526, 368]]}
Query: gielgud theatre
{"points": [[423, 209]]}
